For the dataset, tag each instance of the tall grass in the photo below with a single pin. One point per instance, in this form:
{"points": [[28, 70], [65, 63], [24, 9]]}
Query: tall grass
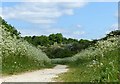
{"points": [[95, 64], [18, 55]]}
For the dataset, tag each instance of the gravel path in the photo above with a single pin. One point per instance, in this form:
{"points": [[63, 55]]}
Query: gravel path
{"points": [[45, 75]]}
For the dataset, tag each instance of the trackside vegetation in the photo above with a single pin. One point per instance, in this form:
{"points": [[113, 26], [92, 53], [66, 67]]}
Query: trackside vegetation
{"points": [[17, 55], [99, 63]]}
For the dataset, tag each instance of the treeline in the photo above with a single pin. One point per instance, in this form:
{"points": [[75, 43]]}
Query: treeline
{"points": [[52, 39], [59, 39], [57, 46]]}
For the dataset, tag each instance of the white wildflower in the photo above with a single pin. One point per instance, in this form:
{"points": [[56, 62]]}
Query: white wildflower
{"points": [[101, 64]]}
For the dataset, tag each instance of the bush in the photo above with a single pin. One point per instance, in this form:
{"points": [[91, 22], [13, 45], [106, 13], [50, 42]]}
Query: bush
{"points": [[58, 52]]}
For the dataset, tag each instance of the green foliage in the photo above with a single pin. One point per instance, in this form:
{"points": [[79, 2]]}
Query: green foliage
{"points": [[44, 40], [64, 50], [17, 55], [38, 40], [99, 63], [57, 46], [49, 40], [58, 52], [70, 40], [56, 38]]}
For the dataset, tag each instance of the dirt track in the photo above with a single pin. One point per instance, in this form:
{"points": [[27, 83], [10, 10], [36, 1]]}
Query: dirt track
{"points": [[45, 75]]}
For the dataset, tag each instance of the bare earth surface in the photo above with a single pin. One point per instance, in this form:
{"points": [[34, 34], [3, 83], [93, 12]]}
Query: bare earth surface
{"points": [[45, 75]]}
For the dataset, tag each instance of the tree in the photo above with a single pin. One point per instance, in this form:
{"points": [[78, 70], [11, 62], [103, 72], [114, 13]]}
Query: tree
{"points": [[52, 39], [35, 40], [59, 37], [55, 38], [43, 40], [64, 41]]}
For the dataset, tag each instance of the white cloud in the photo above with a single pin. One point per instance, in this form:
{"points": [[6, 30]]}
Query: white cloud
{"points": [[43, 21], [78, 32], [79, 26], [37, 12], [42, 14], [69, 11], [75, 4]]}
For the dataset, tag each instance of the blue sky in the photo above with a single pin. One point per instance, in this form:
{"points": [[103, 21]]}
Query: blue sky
{"points": [[83, 20]]}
